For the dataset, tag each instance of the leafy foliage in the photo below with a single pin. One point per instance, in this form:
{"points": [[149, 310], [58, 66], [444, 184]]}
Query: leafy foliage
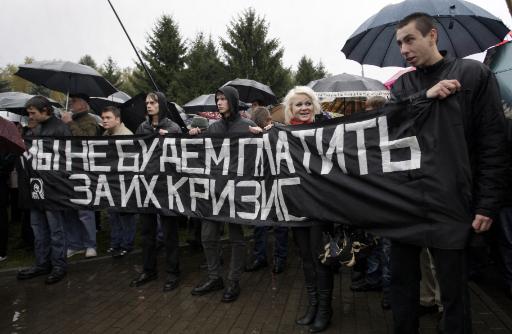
{"points": [[250, 54], [165, 57], [204, 71], [307, 71], [89, 61]]}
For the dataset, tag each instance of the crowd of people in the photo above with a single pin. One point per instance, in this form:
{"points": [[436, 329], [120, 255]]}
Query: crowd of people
{"points": [[414, 279]]}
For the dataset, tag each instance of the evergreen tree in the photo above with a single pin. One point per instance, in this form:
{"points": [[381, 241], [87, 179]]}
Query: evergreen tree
{"points": [[204, 71], [165, 58], [250, 54], [89, 61], [307, 71], [110, 71], [5, 85]]}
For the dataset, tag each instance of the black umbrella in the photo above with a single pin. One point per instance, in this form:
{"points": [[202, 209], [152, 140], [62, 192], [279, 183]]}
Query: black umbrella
{"points": [[99, 103], [463, 29], [15, 102], [347, 85], [250, 90], [66, 77], [206, 102], [201, 103]]}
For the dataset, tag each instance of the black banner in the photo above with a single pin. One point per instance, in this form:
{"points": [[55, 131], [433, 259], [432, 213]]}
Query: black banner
{"points": [[384, 171]]}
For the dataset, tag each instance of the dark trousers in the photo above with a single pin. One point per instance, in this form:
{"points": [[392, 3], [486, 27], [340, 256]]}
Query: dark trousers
{"points": [[451, 270], [280, 242], [504, 225], [309, 241], [171, 242], [210, 236], [4, 223]]}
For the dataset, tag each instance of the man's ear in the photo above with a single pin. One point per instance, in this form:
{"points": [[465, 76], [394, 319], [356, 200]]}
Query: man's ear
{"points": [[433, 36]]}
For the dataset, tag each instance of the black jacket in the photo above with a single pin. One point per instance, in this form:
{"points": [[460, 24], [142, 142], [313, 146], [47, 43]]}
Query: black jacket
{"points": [[52, 127], [482, 119], [234, 123]]}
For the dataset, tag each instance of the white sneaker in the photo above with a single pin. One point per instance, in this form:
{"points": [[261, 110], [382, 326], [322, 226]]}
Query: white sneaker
{"points": [[3, 258], [91, 252], [73, 252]]}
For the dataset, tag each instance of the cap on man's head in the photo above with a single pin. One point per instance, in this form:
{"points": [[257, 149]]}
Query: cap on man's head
{"points": [[82, 96]]}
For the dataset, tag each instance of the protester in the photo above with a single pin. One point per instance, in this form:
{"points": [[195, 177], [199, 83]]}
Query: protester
{"points": [[503, 228], [158, 122], [226, 99], [261, 116], [122, 225], [439, 76], [48, 226], [301, 106], [81, 224], [7, 161]]}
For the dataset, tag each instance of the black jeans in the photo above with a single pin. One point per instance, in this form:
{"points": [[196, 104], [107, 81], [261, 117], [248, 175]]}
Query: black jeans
{"points": [[451, 271], [171, 241], [310, 243]]}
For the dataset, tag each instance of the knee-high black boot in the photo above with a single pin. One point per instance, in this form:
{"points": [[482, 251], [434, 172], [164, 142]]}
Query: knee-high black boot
{"points": [[311, 311], [324, 313]]}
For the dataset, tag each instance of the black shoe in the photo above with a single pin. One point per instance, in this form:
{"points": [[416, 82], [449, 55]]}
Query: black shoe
{"points": [[324, 313], [310, 314], [32, 272], [256, 265], [119, 253], [424, 310], [143, 278], [231, 293], [279, 266], [55, 276], [171, 283], [209, 286]]}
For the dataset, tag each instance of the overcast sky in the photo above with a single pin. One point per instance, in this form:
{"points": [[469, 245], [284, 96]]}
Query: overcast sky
{"points": [[69, 29]]}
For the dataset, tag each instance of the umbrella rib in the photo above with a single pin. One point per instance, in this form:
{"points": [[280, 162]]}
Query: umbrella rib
{"points": [[447, 35], [376, 35]]}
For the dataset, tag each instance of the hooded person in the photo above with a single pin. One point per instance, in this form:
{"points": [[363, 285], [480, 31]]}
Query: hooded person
{"points": [[226, 99], [158, 122], [158, 116]]}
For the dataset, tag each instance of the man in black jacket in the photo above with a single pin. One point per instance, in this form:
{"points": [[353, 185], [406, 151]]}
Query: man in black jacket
{"points": [[474, 87], [48, 226], [226, 99]]}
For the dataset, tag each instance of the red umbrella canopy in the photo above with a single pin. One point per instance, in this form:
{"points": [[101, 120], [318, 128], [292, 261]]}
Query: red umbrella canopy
{"points": [[10, 138]]}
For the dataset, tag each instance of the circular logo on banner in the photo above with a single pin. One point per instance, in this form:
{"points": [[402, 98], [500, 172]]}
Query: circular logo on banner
{"points": [[36, 186]]}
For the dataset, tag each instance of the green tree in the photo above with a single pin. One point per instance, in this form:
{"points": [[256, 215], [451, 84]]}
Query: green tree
{"points": [[110, 71], [89, 61], [165, 58], [307, 71], [250, 54], [204, 71]]}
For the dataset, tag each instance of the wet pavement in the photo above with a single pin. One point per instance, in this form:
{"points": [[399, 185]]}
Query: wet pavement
{"points": [[95, 298]]}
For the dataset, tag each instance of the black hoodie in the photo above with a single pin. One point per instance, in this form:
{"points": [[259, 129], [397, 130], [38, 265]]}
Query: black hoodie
{"points": [[164, 121], [234, 123]]}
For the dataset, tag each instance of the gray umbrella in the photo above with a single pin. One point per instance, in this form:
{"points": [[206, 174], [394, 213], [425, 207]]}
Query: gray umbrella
{"points": [[463, 29], [347, 85], [66, 77], [15, 102], [250, 90]]}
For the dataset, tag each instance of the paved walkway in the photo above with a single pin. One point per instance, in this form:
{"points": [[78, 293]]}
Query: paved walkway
{"points": [[95, 298]]}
